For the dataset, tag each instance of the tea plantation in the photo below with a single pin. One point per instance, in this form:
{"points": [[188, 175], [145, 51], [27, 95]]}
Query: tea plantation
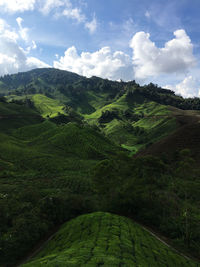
{"points": [[105, 239]]}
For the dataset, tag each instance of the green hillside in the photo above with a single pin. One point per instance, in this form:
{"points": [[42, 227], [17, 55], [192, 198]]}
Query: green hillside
{"points": [[14, 116], [42, 164], [70, 145], [47, 106], [104, 239], [133, 122], [132, 116]]}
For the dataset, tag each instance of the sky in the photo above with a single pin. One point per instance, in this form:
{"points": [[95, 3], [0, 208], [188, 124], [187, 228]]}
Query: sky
{"points": [[148, 41]]}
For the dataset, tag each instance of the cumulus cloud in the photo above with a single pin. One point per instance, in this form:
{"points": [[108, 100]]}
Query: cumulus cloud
{"points": [[149, 60], [189, 87], [13, 58], [102, 63]]}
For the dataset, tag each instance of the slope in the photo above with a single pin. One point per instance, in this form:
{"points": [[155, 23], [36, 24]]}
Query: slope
{"points": [[104, 239], [49, 165], [42, 166], [133, 122], [186, 136], [132, 116], [14, 116], [82, 94]]}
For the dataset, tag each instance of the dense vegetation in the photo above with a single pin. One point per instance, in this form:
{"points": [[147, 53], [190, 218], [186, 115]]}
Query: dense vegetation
{"points": [[63, 152], [103, 239]]}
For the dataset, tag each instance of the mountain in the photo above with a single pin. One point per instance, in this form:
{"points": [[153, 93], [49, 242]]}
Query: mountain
{"points": [[72, 145], [133, 116]]}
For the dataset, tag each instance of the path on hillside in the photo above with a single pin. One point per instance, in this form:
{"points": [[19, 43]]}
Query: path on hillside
{"points": [[37, 249], [164, 242]]}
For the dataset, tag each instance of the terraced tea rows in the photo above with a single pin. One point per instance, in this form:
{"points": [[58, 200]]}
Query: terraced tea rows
{"points": [[104, 239]]}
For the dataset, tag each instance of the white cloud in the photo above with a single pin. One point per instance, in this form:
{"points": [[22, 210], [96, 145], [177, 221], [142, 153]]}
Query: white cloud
{"points": [[58, 8], [189, 87], [13, 58], [147, 14], [92, 25], [33, 62], [62, 8], [34, 46], [13, 6], [7, 32], [102, 63], [149, 60], [46, 6], [74, 13], [22, 31]]}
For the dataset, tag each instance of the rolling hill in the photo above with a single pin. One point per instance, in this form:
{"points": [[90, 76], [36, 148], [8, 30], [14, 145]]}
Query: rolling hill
{"points": [[132, 116], [66, 148]]}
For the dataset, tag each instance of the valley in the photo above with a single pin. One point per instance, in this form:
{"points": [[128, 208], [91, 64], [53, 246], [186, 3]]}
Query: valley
{"points": [[89, 153]]}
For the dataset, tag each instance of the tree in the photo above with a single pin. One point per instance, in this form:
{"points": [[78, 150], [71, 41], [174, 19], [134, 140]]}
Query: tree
{"points": [[185, 174], [106, 179]]}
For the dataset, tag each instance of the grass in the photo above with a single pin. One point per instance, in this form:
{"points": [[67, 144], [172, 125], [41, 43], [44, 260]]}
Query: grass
{"points": [[48, 160], [155, 122], [14, 116], [30, 147], [46, 106], [47, 149], [104, 239]]}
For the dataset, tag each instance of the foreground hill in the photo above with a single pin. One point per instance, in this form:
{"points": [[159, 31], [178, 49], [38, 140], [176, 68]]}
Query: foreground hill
{"points": [[104, 239]]}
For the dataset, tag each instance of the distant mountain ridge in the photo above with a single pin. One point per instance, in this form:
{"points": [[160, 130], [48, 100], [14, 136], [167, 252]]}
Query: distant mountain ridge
{"points": [[57, 83], [133, 116]]}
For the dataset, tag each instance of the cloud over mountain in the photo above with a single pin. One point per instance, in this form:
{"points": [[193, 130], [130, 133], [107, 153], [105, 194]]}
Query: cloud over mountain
{"points": [[13, 58], [103, 63], [150, 60], [189, 87]]}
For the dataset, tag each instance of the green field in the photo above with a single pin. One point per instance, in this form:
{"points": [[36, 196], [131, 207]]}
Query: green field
{"points": [[46, 106], [104, 239]]}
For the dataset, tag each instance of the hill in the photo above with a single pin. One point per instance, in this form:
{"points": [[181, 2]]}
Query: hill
{"points": [[132, 116], [43, 165], [185, 136], [103, 239], [66, 146]]}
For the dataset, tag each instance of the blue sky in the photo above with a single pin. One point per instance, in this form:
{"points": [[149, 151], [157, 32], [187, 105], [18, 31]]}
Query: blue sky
{"points": [[149, 41]]}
